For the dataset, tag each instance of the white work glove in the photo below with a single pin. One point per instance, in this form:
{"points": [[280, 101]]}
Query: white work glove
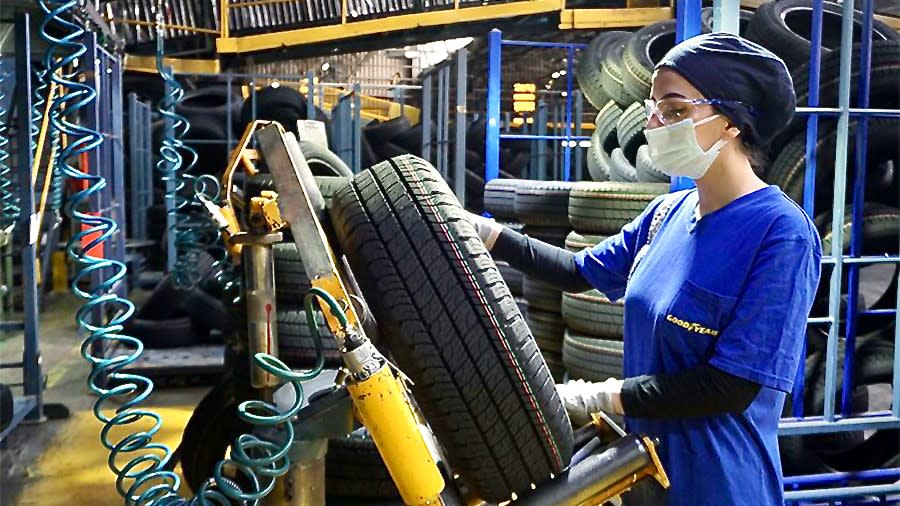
{"points": [[488, 229], [581, 398]]}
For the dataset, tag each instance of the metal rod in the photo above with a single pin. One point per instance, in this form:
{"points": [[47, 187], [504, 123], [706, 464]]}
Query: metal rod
{"points": [[579, 152], [426, 117], [310, 95], [541, 129], [492, 123], [854, 112], [567, 149], [827, 478], [528, 43], [820, 425], [841, 492], [543, 137], [459, 158]]}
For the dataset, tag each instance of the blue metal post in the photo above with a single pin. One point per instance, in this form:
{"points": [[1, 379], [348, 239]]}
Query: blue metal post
{"points": [[441, 124], [169, 131], [567, 148], [117, 155], [426, 117], [341, 126], [555, 145], [579, 152], [727, 16], [459, 157], [356, 129], [687, 25], [136, 160], [445, 111], [310, 95], [837, 223], [492, 126], [31, 355], [541, 130]]}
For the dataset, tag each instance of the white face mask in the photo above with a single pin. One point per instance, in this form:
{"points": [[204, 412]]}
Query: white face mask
{"points": [[675, 151]]}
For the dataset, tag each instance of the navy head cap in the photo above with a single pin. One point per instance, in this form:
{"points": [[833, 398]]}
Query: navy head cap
{"points": [[725, 66]]}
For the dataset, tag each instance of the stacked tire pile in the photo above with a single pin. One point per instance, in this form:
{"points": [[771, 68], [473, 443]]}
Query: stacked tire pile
{"points": [[592, 345]]}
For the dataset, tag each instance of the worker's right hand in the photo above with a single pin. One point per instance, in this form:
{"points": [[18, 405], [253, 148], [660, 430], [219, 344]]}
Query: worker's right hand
{"points": [[488, 229]]}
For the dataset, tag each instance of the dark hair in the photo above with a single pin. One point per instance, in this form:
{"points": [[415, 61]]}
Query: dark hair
{"points": [[759, 158]]}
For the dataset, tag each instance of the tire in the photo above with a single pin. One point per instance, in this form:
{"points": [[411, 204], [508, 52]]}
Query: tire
{"points": [[598, 167], [588, 70], [783, 27], [519, 163], [296, 344], [213, 426], [168, 333], [706, 21], [592, 359], [367, 157], [453, 328], [884, 80], [543, 203], [291, 282], [576, 242], [541, 296], [630, 130], [611, 72], [500, 197], [882, 181], [605, 123], [211, 148], [323, 162], [211, 101], [604, 208], [7, 406], [386, 150], [511, 276], [550, 235], [386, 131], [411, 139], [645, 170], [206, 312], [620, 169], [644, 50], [593, 314], [547, 328], [354, 469], [282, 104]]}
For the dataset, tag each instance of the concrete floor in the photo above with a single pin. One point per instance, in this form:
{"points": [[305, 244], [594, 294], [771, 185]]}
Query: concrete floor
{"points": [[62, 462]]}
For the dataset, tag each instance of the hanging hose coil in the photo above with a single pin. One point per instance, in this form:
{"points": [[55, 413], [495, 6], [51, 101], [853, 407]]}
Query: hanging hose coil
{"points": [[9, 194]]}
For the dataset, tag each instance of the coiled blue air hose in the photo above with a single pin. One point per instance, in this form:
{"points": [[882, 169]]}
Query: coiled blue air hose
{"points": [[9, 194], [142, 479]]}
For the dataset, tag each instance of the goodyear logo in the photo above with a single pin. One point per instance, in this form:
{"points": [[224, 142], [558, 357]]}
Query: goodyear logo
{"points": [[691, 326]]}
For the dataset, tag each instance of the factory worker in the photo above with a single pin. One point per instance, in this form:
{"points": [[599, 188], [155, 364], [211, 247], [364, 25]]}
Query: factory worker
{"points": [[717, 281]]}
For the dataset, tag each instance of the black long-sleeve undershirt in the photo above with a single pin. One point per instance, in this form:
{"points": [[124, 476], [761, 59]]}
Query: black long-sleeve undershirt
{"points": [[699, 391]]}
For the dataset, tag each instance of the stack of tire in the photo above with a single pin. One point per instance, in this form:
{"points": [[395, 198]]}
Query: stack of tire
{"points": [[592, 345], [500, 202]]}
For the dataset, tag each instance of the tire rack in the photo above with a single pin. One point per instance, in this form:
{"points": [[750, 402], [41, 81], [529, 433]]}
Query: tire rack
{"points": [[29, 407], [441, 110], [140, 157], [570, 138], [834, 419]]}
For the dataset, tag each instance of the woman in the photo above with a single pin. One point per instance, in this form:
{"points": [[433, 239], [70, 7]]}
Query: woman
{"points": [[717, 281]]}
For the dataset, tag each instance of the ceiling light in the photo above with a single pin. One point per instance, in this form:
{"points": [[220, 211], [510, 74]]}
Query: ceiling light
{"points": [[326, 66], [555, 75]]}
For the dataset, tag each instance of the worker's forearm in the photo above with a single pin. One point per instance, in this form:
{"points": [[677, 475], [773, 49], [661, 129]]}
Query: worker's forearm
{"points": [[545, 262], [699, 391]]}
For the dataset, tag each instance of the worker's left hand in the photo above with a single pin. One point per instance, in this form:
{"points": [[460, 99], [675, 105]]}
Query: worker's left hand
{"points": [[581, 398], [488, 229]]}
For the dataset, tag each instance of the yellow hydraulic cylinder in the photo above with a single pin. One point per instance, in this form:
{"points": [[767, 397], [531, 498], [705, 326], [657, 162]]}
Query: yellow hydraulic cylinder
{"points": [[382, 406]]}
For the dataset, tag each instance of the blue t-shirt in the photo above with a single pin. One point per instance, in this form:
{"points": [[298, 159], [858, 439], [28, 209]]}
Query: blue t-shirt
{"points": [[732, 289]]}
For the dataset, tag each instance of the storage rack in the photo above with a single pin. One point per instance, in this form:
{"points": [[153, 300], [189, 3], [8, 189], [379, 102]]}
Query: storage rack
{"points": [[441, 107]]}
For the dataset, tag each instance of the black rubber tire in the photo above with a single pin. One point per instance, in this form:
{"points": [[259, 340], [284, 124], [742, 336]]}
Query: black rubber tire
{"points": [[7, 406], [620, 169], [323, 162], [282, 104], [291, 282], [644, 50], [783, 27], [588, 70], [211, 101], [160, 304], [386, 131], [597, 161], [411, 138], [386, 150], [612, 70], [593, 314], [645, 170], [592, 359], [500, 197], [543, 203], [550, 235], [206, 312], [211, 146], [512, 276], [541, 296], [630, 130], [706, 21], [576, 242], [605, 124], [213, 426], [518, 164], [548, 329], [884, 80], [354, 469], [882, 180], [296, 345], [367, 157], [604, 208], [453, 328], [159, 334]]}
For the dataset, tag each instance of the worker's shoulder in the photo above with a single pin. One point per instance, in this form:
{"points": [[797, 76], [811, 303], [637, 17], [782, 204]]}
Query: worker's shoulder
{"points": [[787, 220]]}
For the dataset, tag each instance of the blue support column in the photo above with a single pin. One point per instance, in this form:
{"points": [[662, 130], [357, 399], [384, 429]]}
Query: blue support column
{"points": [[687, 25], [541, 130], [459, 157], [117, 162], [492, 126], [727, 16], [567, 148], [555, 143], [426, 117], [441, 124], [310, 95], [32, 375], [356, 132], [579, 152], [169, 131]]}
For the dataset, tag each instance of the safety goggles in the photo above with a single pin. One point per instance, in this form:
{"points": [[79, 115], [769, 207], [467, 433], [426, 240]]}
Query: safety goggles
{"points": [[674, 109]]}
